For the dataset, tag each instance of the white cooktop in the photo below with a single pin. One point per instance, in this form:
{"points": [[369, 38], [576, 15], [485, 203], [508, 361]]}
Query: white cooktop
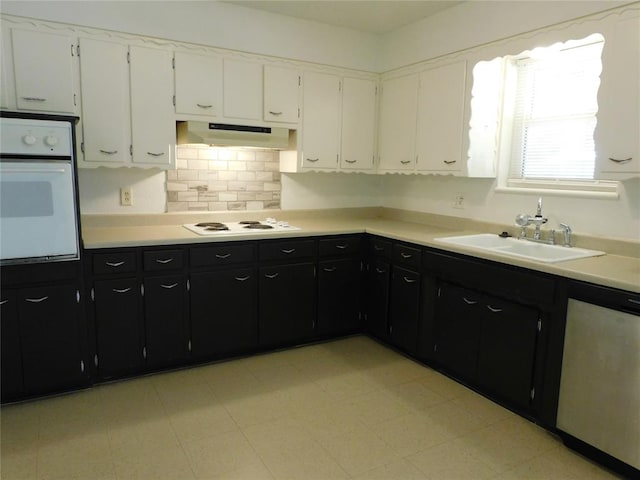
{"points": [[213, 228]]}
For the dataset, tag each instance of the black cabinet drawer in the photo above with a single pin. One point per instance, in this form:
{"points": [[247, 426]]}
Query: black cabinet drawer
{"points": [[344, 245], [406, 255], [117, 262], [380, 247], [156, 260], [222, 255], [285, 250]]}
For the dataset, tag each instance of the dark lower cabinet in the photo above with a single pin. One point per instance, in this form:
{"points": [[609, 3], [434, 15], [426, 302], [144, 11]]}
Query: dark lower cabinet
{"points": [[377, 298], [339, 284], [11, 353], [287, 304], [404, 309], [118, 325], [165, 320], [224, 313]]}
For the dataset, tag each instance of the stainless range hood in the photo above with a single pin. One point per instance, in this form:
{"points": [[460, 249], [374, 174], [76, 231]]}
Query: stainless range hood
{"points": [[223, 134]]}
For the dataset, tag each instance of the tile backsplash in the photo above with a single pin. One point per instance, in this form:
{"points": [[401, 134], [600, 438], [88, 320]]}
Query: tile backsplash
{"points": [[223, 178]]}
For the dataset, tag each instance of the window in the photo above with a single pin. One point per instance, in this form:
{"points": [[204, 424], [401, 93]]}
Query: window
{"points": [[547, 113]]}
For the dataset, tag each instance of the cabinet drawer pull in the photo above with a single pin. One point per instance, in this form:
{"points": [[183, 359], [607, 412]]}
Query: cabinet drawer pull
{"points": [[173, 285], [271, 275], [291, 250], [405, 162], [630, 300], [350, 161], [223, 255], [469, 302], [155, 154], [621, 160], [342, 247], [409, 280], [243, 279], [493, 309], [36, 300], [164, 261], [34, 99], [201, 105], [378, 248], [274, 113], [121, 290], [114, 264], [108, 152], [406, 255], [449, 162], [380, 270], [329, 269], [313, 160], [3, 302]]}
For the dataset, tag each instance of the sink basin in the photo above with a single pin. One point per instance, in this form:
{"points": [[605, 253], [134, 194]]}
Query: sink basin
{"points": [[539, 252]]}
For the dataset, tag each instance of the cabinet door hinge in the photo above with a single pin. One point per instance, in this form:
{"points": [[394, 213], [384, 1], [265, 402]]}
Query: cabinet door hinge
{"points": [[533, 393], [95, 360], [337, 158], [77, 296], [435, 347], [174, 100], [298, 112], [361, 266], [439, 291], [128, 57], [82, 147], [93, 295], [188, 285], [189, 345], [315, 272], [539, 325], [131, 150], [299, 80], [78, 50], [144, 352], [142, 289], [81, 366], [75, 102], [173, 62]]}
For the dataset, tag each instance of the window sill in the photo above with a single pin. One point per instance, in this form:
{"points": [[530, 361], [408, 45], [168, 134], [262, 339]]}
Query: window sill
{"points": [[604, 190]]}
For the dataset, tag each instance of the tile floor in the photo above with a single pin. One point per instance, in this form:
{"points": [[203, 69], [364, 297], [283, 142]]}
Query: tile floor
{"points": [[345, 409]]}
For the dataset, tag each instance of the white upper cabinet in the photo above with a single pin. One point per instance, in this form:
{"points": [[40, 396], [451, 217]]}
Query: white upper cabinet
{"points": [[104, 74], [7, 85], [198, 84], [358, 124], [398, 111], [43, 66], [617, 135], [440, 118], [321, 121], [153, 127], [242, 89], [281, 94], [127, 105]]}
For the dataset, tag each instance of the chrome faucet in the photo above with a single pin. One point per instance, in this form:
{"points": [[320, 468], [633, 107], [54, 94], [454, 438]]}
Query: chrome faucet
{"points": [[524, 220]]}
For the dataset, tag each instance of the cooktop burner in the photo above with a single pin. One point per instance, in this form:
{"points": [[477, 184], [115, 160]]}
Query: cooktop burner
{"points": [[249, 222], [210, 224], [258, 226]]}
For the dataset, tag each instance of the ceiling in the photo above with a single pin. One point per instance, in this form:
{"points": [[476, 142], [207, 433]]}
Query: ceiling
{"points": [[372, 16]]}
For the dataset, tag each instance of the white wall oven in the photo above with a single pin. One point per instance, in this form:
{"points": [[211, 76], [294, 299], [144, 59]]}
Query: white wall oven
{"points": [[38, 189]]}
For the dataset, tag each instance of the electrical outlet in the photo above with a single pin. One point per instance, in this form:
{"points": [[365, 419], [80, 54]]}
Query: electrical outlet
{"points": [[126, 197], [458, 201]]}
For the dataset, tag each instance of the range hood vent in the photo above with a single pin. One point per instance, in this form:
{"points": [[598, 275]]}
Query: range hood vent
{"points": [[222, 134]]}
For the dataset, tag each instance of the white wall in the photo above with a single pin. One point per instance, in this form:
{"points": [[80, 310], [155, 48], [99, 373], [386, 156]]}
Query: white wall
{"points": [[330, 190]]}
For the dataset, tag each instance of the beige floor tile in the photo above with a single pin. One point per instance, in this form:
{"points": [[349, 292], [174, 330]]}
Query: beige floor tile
{"points": [[202, 421], [483, 408], [19, 464], [246, 472], [394, 371], [220, 454], [257, 408], [159, 464], [358, 451], [345, 385], [374, 407], [135, 438], [415, 395], [397, 470], [443, 385], [283, 434], [330, 421], [303, 464], [454, 419]]}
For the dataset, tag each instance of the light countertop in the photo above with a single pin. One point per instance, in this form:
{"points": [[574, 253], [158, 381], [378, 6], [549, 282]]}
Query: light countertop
{"points": [[618, 269]]}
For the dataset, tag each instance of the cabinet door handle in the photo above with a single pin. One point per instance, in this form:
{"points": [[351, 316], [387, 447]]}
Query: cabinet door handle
{"points": [[449, 162], [173, 285], [350, 161], [243, 279], [405, 162], [630, 300], [223, 255], [109, 152], [291, 250], [621, 160], [34, 99], [274, 113], [468, 301], [37, 300], [409, 280], [3, 302], [271, 275], [155, 154], [164, 261], [201, 105], [114, 264], [121, 290], [313, 160], [380, 270], [329, 269], [494, 309], [406, 255]]}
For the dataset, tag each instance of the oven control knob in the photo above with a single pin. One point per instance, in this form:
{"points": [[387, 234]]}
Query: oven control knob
{"points": [[29, 139], [50, 141]]}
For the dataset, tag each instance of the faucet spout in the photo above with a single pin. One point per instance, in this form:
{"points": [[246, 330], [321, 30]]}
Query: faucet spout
{"points": [[539, 211]]}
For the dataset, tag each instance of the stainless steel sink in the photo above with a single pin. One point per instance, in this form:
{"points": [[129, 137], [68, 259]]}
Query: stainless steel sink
{"points": [[539, 252]]}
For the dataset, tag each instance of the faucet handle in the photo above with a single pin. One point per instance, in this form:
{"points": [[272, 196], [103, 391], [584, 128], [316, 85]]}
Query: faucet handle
{"points": [[567, 234]]}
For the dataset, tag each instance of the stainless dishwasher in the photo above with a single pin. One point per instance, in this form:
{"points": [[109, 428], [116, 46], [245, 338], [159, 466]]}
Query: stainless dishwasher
{"points": [[599, 402]]}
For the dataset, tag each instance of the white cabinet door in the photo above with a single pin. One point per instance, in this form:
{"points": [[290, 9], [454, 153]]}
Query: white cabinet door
{"points": [[440, 118], [7, 85], [43, 66], [242, 89], [104, 77], [398, 110], [152, 119], [198, 84], [321, 121], [617, 134], [281, 89], [358, 124]]}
